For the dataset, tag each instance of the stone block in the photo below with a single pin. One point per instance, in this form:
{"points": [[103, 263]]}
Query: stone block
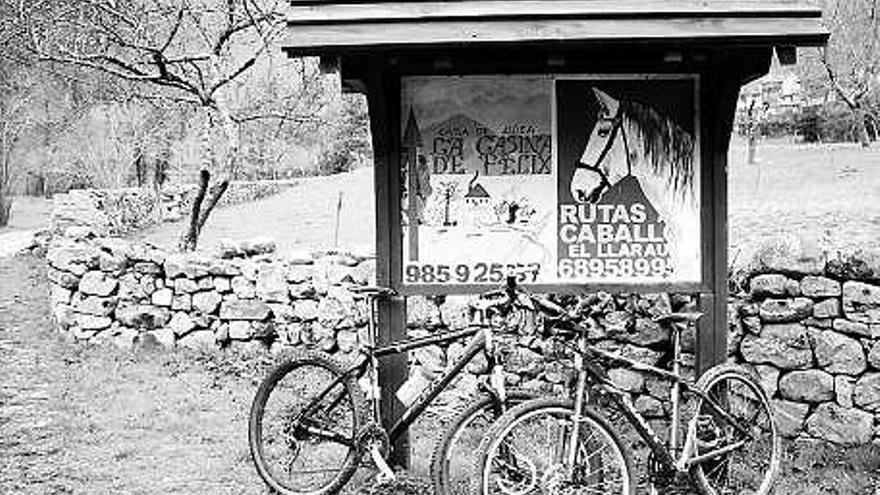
{"points": [[250, 310], [164, 336], [525, 362], [243, 288], [162, 297], [93, 323], [790, 416], [841, 425], [142, 316], [641, 354], [240, 330], [222, 284], [98, 284], [198, 340], [76, 258], [186, 265], [861, 302], [768, 285], [785, 310], [206, 302], [807, 386], [866, 394], [829, 308], [272, 283], [844, 386], [181, 324], [817, 287], [785, 346], [649, 407], [752, 324], [59, 295], [221, 268], [297, 274], [148, 267], [93, 305], [306, 310], [839, 354], [346, 341], [647, 333], [185, 286], [874, 355], [205, 283], [626, 379], [769, 377], [852, 327], [181, 302], [108, 262], [62, 279]]}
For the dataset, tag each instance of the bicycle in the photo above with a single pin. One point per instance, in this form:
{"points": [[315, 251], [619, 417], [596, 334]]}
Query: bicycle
{"points": [[332, 410], [731, 443]]}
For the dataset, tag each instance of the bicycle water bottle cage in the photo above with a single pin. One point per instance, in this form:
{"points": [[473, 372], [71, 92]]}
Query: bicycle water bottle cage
{"points": [[373, 291]]}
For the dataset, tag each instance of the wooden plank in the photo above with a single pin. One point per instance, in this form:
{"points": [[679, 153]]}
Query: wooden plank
{"points": [[344, 12], [432, 290], [383, 99], [332, 39]]}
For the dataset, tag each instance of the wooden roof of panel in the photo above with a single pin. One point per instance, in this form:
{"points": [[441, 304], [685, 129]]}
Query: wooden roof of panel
{"points": [[326, 27]]}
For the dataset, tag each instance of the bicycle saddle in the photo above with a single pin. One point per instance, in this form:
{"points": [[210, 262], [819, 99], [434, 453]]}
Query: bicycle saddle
{"points": [[690, 317]]}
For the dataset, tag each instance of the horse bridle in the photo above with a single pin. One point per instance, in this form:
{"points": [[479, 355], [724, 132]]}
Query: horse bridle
{"points": [[616, 127]]}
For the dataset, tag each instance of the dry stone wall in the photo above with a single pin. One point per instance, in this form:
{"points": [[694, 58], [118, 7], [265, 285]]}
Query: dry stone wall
{"points": [[125, 210], [812, 333], [812, 336]]}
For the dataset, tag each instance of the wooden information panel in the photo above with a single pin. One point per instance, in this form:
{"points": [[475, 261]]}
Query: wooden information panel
{"points": [[571, 179]]}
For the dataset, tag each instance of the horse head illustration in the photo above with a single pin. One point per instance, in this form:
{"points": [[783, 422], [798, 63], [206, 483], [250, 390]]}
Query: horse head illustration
{"points": [[629, 139]]}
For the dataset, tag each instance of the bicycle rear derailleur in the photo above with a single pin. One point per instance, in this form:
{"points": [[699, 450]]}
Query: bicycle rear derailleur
{"points": [[374, 440]]}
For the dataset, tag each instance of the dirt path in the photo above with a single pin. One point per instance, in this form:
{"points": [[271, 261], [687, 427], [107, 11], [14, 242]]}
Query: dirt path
{"points": [[95, 420]]}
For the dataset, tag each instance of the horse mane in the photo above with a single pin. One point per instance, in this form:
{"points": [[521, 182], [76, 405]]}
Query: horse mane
{"points": [[667, 146]]}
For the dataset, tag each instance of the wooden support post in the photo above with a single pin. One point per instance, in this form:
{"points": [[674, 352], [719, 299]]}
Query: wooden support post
{"points": [[383, 98], [719, 93]]}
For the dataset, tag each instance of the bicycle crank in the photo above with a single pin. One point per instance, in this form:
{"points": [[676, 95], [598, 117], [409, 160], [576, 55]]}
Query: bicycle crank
{"points": [[375, 440]]}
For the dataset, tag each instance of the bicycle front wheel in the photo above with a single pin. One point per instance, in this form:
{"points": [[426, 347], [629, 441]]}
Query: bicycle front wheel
{"points": [[303, 426], [454, 454], [745, 433], [526, 452]]}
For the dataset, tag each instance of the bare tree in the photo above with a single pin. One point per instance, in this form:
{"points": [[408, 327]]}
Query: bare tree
{"points": [[851, 61], [193, 51], [14, 119]]}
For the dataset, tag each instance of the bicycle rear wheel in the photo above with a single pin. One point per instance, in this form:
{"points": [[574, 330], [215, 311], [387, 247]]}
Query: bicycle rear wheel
{"points": [[303, 425], [453, 456], [751, 467], [525, 452]]}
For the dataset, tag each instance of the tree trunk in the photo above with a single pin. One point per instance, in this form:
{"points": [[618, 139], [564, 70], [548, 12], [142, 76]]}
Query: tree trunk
{"points": [[201, 210], [5, 207], [862, 128]]}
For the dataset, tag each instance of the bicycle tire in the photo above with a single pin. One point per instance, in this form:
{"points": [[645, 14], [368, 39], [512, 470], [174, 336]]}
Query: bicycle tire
{"points": [[624, 483], [708, 484], [485, 406], [346, 408]]}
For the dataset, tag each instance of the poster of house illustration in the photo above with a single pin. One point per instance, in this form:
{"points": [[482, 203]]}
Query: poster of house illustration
{"points": [[568, 179], [482, 181]]}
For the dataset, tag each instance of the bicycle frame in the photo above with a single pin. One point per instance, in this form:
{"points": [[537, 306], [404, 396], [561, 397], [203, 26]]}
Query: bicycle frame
{"points": [[622, 401], [367, 366]]}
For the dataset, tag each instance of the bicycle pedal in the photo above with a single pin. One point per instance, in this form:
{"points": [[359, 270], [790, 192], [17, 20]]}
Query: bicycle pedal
{"points": [[386, 474]]}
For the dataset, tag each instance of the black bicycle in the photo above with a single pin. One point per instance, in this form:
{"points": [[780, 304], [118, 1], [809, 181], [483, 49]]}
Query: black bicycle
{"points": [[565, 446], [313, 417]]}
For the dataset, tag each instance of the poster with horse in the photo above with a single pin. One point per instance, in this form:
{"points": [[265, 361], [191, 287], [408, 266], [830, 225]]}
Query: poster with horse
{"points": [[629, 179], [568, 179]]}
